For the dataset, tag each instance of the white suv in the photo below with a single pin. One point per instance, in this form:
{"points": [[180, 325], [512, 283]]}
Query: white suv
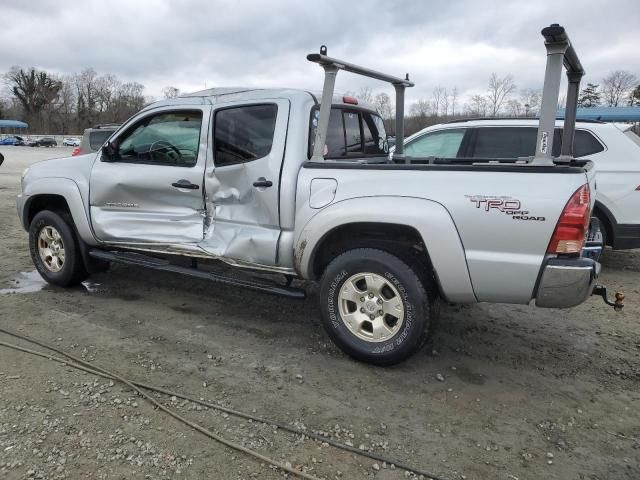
{"points": [[614, 149]]}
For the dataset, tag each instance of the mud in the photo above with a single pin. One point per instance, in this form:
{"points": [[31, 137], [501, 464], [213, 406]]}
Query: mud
{"points": [[502, 392]]}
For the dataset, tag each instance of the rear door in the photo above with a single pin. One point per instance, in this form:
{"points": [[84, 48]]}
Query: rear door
{"points": [[151, 190], [243, 183]]}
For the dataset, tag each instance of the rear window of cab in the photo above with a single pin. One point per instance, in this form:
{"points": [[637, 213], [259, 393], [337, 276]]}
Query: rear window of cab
{"points": [[351, 133]]}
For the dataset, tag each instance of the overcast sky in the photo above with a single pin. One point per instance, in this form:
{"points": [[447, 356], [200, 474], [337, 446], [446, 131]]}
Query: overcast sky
{"points": [[190, 43]]}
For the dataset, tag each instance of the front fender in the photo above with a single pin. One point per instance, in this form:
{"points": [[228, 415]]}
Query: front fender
{"points": [[430, 219], [64, 188]]}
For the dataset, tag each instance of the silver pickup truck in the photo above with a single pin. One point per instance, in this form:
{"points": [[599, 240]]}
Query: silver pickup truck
{"points": [[299, 185]]}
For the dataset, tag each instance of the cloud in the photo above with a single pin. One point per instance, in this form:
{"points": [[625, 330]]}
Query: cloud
{"points": [[190, 43]]}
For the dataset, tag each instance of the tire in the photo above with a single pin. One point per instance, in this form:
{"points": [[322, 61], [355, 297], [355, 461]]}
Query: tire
{"points": [[50, 234], [384, 339], [604, 223]]}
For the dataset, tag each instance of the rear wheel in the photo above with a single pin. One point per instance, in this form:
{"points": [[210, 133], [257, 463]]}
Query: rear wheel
{"points": [[54, 249], [375, 307], [604, 228]]}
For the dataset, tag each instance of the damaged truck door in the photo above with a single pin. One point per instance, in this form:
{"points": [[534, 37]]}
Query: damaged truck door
{"points": [[242, 184], [147, 183]]}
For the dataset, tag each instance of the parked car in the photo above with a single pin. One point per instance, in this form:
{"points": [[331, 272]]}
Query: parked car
{"points": [[295, 184], [93, 138], [613, 148], [42, 142], [71, 142], [12, 140]]}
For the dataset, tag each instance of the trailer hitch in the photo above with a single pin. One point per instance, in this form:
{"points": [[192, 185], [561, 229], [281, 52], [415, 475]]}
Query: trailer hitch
{"points": [[601, 290]]}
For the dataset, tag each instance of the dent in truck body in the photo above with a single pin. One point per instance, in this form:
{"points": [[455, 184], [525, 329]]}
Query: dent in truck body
{"points": [[228, 230], [243, 220]]}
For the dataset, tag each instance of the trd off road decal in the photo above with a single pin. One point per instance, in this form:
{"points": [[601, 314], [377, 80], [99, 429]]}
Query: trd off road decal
{"points": [[504, 204]]}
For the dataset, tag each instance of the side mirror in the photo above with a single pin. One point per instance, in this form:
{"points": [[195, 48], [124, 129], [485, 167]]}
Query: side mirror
{"points": [[109, 152]]}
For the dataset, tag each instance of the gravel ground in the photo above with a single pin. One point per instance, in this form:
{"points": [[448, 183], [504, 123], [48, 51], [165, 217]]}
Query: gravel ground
{"points": [[503, 392]]}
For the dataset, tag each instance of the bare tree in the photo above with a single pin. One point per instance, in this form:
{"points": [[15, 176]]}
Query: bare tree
{"points": [[106, 88], [382, 102], [170, 92], [617, 86], [454, 100], [66, 107], [365, 94], [438, 96], [530, 100], [499, 90], [86, 83], [445, 103], [421, 108], [514, 108], [477, 106]]}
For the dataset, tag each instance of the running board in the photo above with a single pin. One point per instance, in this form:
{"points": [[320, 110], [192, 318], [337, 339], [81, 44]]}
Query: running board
{"points": [[140, 260]]}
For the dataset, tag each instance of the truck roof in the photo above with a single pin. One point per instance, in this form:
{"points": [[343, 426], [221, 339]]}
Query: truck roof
{"points": [[225, 94]]}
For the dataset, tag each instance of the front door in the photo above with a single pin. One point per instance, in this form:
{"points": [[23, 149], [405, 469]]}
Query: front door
{"points": [[243, 182], [150, 191]]}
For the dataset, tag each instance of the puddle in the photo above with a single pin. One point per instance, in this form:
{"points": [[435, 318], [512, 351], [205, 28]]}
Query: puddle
{"points": [[91, 287], [30, 282], [25, 282]]}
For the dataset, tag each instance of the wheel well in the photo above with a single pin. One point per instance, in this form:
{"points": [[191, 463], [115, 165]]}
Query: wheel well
{"points": [[45, 202], [606, 222], [400, 240]]}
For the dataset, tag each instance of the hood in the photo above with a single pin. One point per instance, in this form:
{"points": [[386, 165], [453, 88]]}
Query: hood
{"points": [[77, 169]]}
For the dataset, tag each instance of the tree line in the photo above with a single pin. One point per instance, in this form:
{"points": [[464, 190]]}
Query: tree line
{"points": [[68, 104], [502, 98]]}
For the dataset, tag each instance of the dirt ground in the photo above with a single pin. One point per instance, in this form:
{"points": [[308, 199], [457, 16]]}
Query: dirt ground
{"points": [[526, 393]]}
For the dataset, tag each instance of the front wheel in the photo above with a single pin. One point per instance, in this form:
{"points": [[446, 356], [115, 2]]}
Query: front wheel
{"points": [[375, 307], [54, 249]]}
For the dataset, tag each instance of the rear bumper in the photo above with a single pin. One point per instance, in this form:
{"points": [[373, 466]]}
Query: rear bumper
{"points": [[566, 282]]}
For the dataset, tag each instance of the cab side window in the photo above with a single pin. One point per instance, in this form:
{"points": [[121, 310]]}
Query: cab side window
{"points": [[440, 144], [169, 138], [244, 133]]}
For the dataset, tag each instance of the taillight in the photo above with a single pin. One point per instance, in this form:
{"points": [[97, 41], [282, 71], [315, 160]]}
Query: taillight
{"points": [[572, 226], [76, 151], [350, 100]]}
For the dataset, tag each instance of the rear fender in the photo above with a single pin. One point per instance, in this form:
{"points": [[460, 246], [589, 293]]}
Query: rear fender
{"points": [[430, 219]]}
